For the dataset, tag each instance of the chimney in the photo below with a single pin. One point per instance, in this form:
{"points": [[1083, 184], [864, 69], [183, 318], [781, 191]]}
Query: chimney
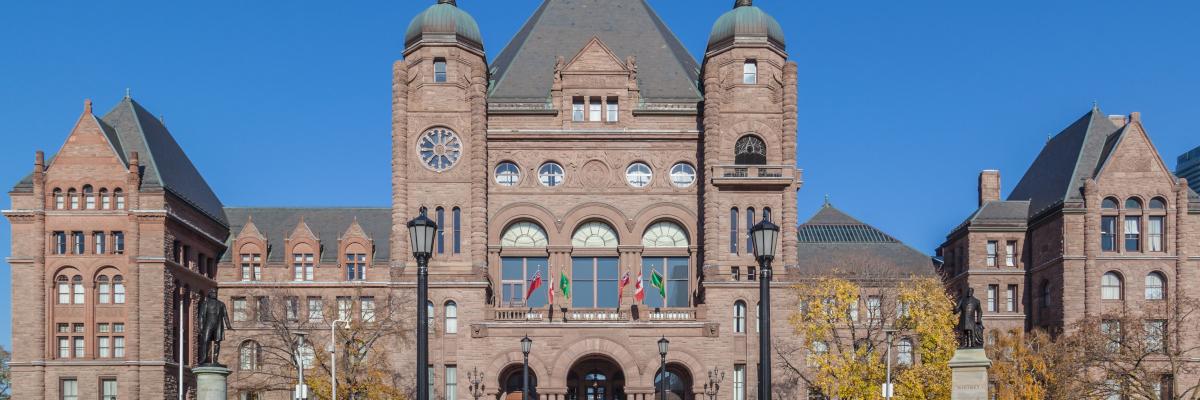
{"points": [[39, 161], [989, 186], [1135, 116]]}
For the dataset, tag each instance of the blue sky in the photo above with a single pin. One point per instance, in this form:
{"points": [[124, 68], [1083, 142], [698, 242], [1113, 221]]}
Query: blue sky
{"points": [[901, 102]]}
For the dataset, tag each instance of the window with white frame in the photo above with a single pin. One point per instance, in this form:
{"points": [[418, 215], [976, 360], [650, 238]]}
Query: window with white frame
{"points": [[1156, 286], [991, 253], [612, 108], [992, 297], [118, 242], [108, 389], [1010, 253], [105, 200], [750, 72], [98, 243], [344, 307], [439, 70], [77, 293], [367, 308], [1156, 335], [638, 175], [594, 109], [69, 389], [1011, 298], [874, 308], [118, 289], [507, 174], [291, 306], [316, 309], [251, 267], [89, 197], [683, 175], [239, 309], [302, 265], [739, 382], [451, 317], [904, 352], [1154, 233], [550, 174], [739, 317], [1110, 286], [577, 109], [451, 383]]}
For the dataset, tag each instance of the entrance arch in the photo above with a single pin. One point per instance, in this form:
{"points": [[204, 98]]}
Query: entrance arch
{"points": [[678, 383], [596, 377], [512, 381]]}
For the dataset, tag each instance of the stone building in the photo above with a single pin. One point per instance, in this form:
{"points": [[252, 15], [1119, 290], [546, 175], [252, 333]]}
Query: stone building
{"points": [[1097, 225], [592, 147], [1188, 167]]}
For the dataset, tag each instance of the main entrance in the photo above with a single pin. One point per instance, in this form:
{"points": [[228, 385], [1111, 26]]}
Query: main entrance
{"points": [[595, 378]]}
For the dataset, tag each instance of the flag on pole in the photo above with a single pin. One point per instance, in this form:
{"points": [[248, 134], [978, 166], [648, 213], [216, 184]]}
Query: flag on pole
{"points": [[656, 281], [639, 293], [621, 288], [564, 285], [533, 285]]}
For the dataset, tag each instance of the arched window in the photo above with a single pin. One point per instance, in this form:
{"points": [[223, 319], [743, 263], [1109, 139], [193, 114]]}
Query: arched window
{"points": [[248, 356], [1046, 299], [429, 312], [638, 175], [594, 234], [77, 290], [678, 384], [451, 317], [118, 290], [749, 224], [1158, 203], [904, 352], [767, 214], [89, 197], [1156, 286], [551, 174], [664, 234], [739, 317], [64, 289], [1133, 203], [119, 196], [750, 150], [1109, 203], [441, 229], [105, 200], [750, 72], [456, 218], [683, 175], [1110, 286], [507, 174], [524, 234], [104, 290], [59, 200], [733, 230], [74, 198]]}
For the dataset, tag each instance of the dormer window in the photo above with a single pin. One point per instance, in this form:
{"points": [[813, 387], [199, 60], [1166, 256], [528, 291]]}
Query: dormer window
{"points": [[439, 70], [120, 198], [60, 202], [750, 72], [89, 197], [577, 109]]}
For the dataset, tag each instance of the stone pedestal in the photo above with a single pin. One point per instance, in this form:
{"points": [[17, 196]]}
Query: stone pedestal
{"points": [[969, 375], [211, 382]]}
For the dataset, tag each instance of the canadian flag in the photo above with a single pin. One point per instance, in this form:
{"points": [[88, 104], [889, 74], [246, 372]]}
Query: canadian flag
{"points": [[639, 294]]}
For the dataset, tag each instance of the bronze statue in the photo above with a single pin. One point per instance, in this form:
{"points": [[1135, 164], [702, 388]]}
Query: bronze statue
{"points": [[970, 321], [213, 321]]}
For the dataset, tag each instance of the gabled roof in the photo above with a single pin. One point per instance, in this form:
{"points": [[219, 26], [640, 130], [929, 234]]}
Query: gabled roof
{"points": [[834, 242], [164, 165], [327, 224], [524, 70], [1069, 158]]}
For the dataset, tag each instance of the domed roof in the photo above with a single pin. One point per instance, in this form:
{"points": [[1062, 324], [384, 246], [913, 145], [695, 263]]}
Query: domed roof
{"points": [[746, 21], [444, 19]]}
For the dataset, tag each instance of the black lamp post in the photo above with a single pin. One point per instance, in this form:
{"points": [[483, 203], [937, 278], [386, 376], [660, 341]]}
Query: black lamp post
{"points": [[764, 235], [663, 344], [526, 345], [421, 232]]}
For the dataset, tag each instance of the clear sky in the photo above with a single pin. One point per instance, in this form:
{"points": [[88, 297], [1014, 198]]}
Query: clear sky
{"points": [[901, 102]]}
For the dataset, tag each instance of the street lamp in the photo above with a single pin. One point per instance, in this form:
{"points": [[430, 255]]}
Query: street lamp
{"points": [[477, 386], [663, 344], [421, 232], [333, 355], [713, 387], [887, 386], [764, 235], [526, 345], [301, 392]]}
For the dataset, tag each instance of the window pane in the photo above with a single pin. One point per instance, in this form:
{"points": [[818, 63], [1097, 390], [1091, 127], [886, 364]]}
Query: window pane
{"points": [[533, 265], [606, 282], [653, 299], [677, 282], [582, 282]]}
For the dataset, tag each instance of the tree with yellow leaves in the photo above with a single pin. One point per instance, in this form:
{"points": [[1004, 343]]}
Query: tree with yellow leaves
{"points": [[844, 326]]}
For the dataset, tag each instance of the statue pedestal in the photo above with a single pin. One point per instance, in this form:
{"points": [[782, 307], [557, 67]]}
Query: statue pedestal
{"points": [[211, 382], [969, 375]]}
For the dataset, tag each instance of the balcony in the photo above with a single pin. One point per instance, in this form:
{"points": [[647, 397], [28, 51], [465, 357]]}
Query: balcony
{"points": [[585, 315], [755, 175]]}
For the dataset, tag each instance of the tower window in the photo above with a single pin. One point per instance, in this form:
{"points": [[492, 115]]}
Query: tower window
{"points": [[439, 70], [750, 150], [750, 72]]}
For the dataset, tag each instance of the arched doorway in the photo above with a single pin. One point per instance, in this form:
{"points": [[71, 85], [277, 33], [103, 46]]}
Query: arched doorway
{"points": [[678, 386], [595, 378], [512, 380]]}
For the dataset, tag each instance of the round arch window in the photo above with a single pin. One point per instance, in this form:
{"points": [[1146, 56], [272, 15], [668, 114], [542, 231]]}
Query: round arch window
{"points": [[551, 174], [683, 175], [638, 175], [750, 150], [439, 148], [507, 174]]}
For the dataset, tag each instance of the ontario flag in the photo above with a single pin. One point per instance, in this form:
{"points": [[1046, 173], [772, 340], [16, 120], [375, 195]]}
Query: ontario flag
{"points": [[535, 283], [621, 287], [639, 293]]}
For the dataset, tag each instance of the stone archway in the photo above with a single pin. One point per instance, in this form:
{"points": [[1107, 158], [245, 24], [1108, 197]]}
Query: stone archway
{"points": [[595, 377]]}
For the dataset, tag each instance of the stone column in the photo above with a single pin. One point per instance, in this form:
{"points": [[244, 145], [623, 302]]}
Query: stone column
{"points": [[969, 375], [211, 382]]}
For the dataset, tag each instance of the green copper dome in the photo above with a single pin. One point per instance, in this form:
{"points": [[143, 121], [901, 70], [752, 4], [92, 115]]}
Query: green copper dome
{"points": [[746, 21], [444, 19]]}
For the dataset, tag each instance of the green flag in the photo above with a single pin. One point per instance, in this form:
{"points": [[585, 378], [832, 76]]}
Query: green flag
{"points": [[656, 281], [564, 284]]}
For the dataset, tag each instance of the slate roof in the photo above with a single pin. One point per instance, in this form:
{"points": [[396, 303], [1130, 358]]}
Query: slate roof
{"points": [[833, 241], [524, 70], [130, 127], [1069, 158], [327, 223]]}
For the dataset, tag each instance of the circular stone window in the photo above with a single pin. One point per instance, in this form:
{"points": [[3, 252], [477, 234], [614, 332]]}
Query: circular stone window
{"points": [[439, 148], [638, 175], [683, 175]]}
